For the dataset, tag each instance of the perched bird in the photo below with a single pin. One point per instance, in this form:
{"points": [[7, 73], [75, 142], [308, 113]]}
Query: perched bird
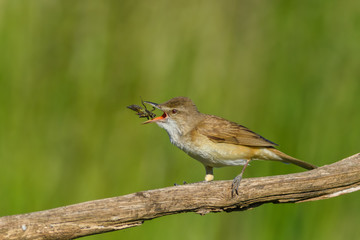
{"points": [[215, 141]]}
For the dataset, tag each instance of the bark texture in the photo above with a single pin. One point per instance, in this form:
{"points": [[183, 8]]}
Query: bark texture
{"points": [[131, 210]]}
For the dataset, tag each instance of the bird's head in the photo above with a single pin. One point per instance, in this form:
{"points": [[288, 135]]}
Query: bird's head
{"points": [[179, 114]]}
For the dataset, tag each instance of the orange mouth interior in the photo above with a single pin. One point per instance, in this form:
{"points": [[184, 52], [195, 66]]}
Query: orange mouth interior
{"points": [[156, 119]]}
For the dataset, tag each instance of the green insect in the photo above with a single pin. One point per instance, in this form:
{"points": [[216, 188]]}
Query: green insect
{"points": [[142, 112]]}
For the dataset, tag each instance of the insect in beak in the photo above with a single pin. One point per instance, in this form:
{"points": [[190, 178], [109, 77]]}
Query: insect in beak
{"points": [[143, 112]]}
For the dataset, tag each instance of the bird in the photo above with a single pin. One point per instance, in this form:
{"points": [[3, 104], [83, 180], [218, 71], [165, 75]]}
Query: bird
{"points": [[215, 141]]}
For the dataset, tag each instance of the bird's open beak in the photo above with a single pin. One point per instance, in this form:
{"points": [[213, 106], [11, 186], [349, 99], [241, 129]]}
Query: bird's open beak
{"points": [[152, 104], [157, 118]]}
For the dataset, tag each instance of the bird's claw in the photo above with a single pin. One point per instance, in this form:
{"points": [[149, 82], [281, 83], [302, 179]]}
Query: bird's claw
{"points": [[235, 185], [184, 183]]}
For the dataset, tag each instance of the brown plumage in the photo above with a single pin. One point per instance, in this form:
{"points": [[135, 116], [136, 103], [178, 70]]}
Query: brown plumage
{"points": [[224, 131], [215, 141], [221, 130]]}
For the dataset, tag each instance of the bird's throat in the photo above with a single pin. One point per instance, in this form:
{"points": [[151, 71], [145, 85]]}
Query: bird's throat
{"points": [[172, 129]]}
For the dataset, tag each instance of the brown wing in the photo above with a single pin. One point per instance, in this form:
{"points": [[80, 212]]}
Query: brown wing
{"points": [[220, 130]]}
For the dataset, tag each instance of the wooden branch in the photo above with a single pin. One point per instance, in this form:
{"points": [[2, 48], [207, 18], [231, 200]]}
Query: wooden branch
{"points": [[131, 210]]}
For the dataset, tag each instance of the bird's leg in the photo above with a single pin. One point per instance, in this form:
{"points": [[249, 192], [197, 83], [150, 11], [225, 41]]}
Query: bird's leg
{"points": [[237, 179], [208, 177], [209, 174]]}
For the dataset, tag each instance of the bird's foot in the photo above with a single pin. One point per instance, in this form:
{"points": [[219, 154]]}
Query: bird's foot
{"points": [[184, 183], [235, 185]]}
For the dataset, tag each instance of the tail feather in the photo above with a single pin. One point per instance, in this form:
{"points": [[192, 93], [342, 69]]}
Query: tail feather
{"points": [[289, 159]]}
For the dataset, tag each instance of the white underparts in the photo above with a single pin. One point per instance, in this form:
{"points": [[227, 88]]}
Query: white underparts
{"points": [[211, 154], [236, 162], [172, 129], [266, 154]]}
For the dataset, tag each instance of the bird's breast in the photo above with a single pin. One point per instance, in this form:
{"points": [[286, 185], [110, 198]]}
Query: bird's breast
{"points": [[214, 154]]}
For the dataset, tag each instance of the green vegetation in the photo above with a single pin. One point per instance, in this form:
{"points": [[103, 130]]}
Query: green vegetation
{"points": [[287, 70]]}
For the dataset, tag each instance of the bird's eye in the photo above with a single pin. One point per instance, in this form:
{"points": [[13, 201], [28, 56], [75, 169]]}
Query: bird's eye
{"points": [[174, 111]]}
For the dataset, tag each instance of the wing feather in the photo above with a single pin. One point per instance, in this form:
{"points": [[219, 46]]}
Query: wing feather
{"points": [[223, 131]]}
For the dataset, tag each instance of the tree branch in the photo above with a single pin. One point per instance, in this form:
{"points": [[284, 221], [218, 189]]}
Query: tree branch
{"points": [[131, 210]]}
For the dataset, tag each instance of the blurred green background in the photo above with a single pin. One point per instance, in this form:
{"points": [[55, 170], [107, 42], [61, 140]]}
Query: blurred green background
{"points": [[288, 70]]}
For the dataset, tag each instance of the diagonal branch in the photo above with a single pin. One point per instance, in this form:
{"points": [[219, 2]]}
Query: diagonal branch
{"points": [[131, 210]]}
